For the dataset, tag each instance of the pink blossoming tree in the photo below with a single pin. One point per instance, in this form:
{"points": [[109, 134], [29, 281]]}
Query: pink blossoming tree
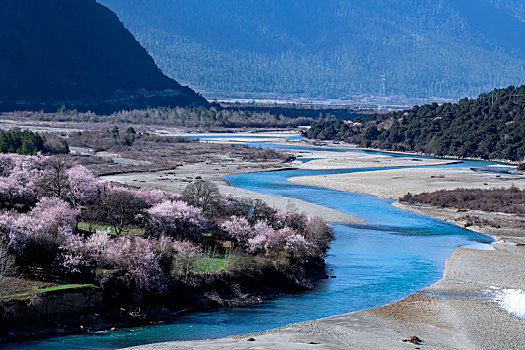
{"points": [[177, 219], [239, 229]]}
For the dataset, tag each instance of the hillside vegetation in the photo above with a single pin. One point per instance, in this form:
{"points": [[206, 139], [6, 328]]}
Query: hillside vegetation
{"points": [[488, 127], [336, 48]]}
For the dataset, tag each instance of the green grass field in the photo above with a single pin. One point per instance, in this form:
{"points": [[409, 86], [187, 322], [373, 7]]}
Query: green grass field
{"points": [[21, 289], [92, 227]]}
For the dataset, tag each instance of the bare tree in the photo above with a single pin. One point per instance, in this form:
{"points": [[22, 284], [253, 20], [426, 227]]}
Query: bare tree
{"points": [[53, 182], [202, 194], [116, 207]]}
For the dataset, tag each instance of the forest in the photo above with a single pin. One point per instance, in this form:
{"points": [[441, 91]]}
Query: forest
{"points": [[436, 48], [488, 127]]}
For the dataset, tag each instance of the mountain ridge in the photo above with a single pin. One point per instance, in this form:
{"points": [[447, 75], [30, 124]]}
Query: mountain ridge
{"points": [[333, 49]]}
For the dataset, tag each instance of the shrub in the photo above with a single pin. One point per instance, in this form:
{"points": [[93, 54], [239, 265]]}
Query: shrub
{"points": [[140, 265], [135, 259], [81, 254], [271, 242], [8, 229], [7, 261], [521, 165], [37, 237], [185, 255], [506, 200], [319, 234]]}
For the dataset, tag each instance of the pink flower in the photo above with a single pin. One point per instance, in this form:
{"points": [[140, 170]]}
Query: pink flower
{"points": [[239, 229], [186, 250], [151, 196], [256, 244], [176, 218], [82, 185], [55, 215]]}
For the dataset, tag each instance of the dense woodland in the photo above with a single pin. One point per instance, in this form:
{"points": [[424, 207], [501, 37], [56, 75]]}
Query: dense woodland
{"points": [[318, 48], [488, 127]]}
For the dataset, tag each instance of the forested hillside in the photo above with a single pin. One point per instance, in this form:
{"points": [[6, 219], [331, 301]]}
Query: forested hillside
{"points": [[489, 127], [78, 54], [335, 48]]}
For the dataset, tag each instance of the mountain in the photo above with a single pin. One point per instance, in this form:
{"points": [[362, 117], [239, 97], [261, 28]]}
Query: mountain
{"points": [[488, 127], [333, 48], [77, 54]]}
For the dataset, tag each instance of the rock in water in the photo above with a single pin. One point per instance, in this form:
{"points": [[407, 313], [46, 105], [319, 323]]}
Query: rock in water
{"points": [[413, 339]]}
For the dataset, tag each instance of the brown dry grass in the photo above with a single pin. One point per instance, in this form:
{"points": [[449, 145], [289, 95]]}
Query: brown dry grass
{"points": [[503, 200], [151, 152]]}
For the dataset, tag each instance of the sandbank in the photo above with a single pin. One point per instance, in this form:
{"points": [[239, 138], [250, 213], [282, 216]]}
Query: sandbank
{"points": [[398, 182]]}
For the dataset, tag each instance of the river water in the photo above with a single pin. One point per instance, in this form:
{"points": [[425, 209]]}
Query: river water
{"points": [[392, 255]]}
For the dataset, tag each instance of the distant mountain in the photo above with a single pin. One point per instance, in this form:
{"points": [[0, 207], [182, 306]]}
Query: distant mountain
{"points": [[488, 127], [333, 48], [78, 54]]}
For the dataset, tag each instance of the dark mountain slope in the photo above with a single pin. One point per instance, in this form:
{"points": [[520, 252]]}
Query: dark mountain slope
{"points": [[333, 48], [78, 54]]}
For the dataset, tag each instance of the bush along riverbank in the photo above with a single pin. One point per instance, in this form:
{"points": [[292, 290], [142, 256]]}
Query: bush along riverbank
{"points": [[78, 253]]}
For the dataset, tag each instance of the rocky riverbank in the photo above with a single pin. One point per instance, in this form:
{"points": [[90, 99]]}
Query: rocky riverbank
{"points": [[89, 309]]}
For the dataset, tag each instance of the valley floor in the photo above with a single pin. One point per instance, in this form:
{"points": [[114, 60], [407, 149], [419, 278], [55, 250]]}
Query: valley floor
{"points": [[459, 312]]}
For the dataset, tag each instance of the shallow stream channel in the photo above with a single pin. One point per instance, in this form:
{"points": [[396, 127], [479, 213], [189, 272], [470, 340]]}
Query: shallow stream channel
{"points": [[393, 254]]}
